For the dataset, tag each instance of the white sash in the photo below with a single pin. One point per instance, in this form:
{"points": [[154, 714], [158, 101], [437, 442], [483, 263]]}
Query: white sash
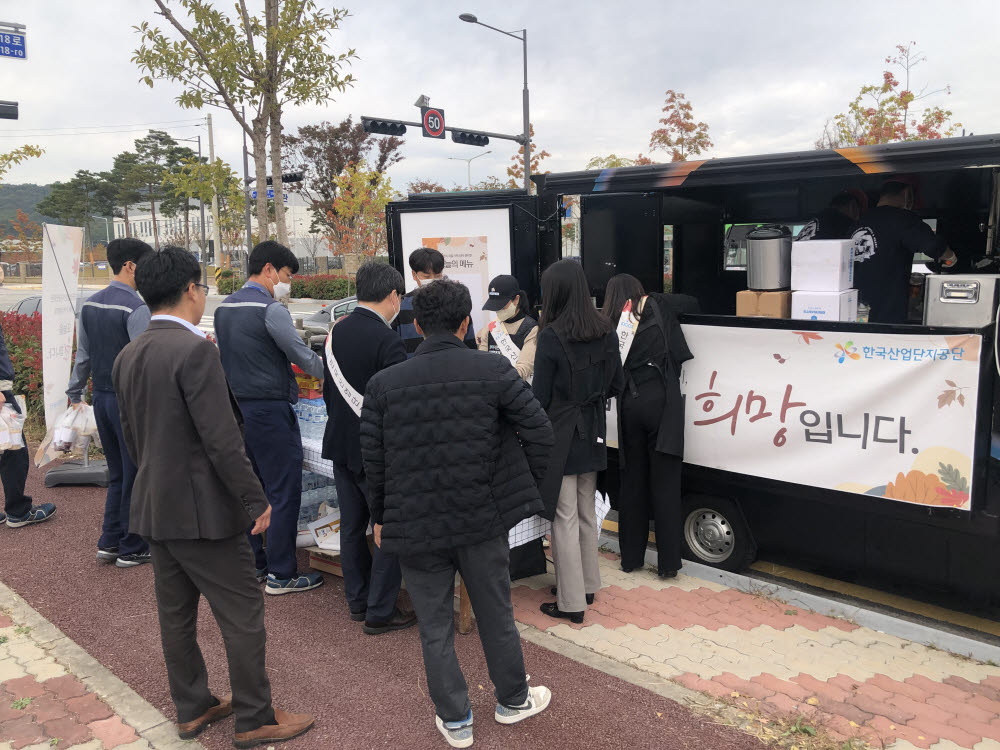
{"points": [[351, 396], [507, 346], [627, 324]]}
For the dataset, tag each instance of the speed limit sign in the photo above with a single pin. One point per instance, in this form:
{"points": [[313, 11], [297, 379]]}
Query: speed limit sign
{"points": [[432, 120]]}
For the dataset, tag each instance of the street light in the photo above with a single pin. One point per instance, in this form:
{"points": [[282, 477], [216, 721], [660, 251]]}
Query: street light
{"points": [[468, 163], [523, 38]]}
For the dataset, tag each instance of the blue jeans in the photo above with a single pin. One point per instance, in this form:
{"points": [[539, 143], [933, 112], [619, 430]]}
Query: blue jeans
{"points": [[121, 477], [274, 446]]}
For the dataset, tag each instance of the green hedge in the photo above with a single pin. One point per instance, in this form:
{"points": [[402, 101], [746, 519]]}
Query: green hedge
{"points": [[323, 286], [228, 282]]}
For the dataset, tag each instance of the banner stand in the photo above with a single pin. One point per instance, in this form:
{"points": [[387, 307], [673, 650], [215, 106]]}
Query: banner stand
{"points": [[61, 250]]}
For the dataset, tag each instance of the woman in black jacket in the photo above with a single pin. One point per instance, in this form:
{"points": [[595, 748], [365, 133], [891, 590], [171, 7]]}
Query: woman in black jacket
{"points": [[650, 422], [577, 368]]}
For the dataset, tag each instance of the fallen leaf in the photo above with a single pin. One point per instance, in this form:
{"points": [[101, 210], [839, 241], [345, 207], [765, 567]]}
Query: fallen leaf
{"points": [[853, 724], [480, 687], [734, 694], [659, 715], [892, 727], [814, 701]]}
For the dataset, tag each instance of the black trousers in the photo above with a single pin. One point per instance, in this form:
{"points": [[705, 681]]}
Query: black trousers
{"points": [[650, 483], [430, 579], [371, 580], [13, 475], [223, 572]]}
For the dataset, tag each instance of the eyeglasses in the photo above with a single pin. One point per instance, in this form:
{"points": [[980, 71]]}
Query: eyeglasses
{"points": [[203, 286]]}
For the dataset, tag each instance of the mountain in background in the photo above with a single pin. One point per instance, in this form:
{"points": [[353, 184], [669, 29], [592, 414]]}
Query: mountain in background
{"points": [[24, 197]]}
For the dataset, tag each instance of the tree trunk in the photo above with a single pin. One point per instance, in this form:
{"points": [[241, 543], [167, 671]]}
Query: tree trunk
{"points": [[187, 224], [128, 227], [260, 170], [279, 198], [152, 211]]}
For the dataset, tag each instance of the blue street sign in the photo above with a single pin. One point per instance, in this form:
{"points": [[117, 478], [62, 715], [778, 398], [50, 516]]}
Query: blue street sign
{"points": [[12, 45], [270, 195]]}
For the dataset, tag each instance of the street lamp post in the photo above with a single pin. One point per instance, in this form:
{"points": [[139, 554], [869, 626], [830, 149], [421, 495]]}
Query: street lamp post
{"points": [[468, 164], [201, 204], [523, 38]]}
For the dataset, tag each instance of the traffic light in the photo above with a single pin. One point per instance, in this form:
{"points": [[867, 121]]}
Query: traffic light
{"points": [[383, 127], [288, 177], [469, 137]]}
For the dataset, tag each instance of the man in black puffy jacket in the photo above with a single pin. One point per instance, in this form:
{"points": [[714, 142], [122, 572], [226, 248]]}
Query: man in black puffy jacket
{"points": [[454, 446]]}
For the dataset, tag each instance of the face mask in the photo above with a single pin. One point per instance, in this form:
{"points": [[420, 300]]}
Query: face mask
{"points": [[282, 290], [507, 313], [395, 314]]}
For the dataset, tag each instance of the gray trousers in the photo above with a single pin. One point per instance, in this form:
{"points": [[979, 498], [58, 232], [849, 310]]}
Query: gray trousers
{"points": [[222, 571], [430, 579], [574, 542]]}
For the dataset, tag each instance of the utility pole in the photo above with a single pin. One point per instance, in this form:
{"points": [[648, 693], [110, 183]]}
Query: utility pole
{"points": [[245, 261], [204, 244], [216, 229]]}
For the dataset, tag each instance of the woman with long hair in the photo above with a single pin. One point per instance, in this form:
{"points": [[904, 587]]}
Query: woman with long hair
{"points": [[577, 368], [650, 420]]}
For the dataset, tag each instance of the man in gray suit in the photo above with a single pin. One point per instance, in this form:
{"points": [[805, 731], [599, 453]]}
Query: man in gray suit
{"points": [[195, 495]]}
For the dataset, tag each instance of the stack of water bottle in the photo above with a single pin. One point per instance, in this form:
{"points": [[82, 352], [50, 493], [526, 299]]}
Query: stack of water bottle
{"points": [[317, 491], [311, 413]]}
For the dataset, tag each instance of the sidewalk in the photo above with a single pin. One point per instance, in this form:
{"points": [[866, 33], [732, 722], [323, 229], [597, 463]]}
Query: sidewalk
{"points": [[52, 694], [769, 660]]}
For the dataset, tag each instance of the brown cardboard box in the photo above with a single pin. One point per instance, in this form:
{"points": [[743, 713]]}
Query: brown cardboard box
{"points": [[751, 304]]}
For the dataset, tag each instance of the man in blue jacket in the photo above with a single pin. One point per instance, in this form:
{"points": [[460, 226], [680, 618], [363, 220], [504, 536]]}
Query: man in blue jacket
{"points": [[359, 346], [258, 343], [108, 321]]}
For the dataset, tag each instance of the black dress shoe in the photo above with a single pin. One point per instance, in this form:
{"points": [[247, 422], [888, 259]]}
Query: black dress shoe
{"points": [[552, 610], [667, 573], [359, 616], [398, 621], [590, 597], [630, 570]]}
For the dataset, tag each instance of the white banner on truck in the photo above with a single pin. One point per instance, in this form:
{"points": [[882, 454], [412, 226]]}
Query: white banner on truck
{"points": [[61, 249], [887, 415]]}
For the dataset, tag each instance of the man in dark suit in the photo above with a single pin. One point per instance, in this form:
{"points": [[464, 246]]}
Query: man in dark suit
{"points": [[195, 495], [359, 346], [448, 478]]}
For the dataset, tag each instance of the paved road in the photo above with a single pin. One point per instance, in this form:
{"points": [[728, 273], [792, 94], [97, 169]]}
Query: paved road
{"points": [[367, 691]]}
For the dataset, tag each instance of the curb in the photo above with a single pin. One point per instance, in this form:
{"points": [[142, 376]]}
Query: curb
{"points": [[148, 722], [900, 627]]}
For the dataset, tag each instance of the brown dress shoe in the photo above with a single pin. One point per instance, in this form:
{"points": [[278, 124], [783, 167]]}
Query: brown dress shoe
{"points": [[288, 726], [191, 729]]}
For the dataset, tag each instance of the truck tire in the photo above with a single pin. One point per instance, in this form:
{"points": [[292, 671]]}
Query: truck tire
{"points": [[715, 533]]}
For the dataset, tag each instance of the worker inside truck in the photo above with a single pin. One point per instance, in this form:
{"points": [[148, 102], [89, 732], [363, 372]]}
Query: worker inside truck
{"points": [[884, 245]]}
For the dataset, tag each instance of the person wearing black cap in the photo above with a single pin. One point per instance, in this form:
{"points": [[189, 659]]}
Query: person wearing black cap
{"points": [[513, 334]]}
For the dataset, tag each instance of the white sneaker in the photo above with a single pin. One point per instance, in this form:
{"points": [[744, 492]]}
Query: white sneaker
{"points": [[456, 733], [538, 700]]}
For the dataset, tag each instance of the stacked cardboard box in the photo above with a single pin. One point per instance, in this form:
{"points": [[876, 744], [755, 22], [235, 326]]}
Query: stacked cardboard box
{"points": [[822, 281], [753, 304]]}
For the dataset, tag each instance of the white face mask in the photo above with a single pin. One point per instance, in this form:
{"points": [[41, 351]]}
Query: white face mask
{"points": [[507, 313], [395, 314], [282, 290]]}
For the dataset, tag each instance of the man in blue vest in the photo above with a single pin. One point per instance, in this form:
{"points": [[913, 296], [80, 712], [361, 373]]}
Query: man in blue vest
{"points": [[258, 343], [108, 321]]}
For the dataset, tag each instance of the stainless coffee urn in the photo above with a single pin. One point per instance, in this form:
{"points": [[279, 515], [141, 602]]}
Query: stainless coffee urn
{"points": [[769, 258]]}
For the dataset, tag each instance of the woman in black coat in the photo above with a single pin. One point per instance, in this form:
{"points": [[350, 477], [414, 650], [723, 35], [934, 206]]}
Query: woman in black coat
{"points": [[577, 368], [650, 423]]}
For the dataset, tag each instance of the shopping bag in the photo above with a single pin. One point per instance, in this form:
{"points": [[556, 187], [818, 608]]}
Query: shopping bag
{"points": [[602, 506], [11, 429], [71, 433]]}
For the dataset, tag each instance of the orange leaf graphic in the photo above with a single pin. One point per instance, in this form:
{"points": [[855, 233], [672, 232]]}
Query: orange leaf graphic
{"points": [[808, 336], [946, 398]]}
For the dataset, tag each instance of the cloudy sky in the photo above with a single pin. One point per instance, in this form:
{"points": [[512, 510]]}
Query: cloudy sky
{"points": [[765, 75]]}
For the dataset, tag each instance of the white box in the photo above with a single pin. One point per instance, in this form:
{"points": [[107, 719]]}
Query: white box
{"points": [[839, 306], [822, 265]]}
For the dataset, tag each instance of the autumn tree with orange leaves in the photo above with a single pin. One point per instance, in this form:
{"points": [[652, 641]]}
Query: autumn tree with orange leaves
{"points": [[680, 135], [516, 170], [891, 111], [24, 241]]}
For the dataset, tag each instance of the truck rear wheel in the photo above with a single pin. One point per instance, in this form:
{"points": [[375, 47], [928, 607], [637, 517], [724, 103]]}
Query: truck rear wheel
{"points": [[716, 534]]}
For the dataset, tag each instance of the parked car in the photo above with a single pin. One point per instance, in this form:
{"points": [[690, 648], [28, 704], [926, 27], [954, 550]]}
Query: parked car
{"points": [[33, 304], [320, 321]]}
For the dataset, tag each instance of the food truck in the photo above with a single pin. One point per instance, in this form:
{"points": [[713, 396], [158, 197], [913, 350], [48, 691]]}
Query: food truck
{"points": [[867, 447]]}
